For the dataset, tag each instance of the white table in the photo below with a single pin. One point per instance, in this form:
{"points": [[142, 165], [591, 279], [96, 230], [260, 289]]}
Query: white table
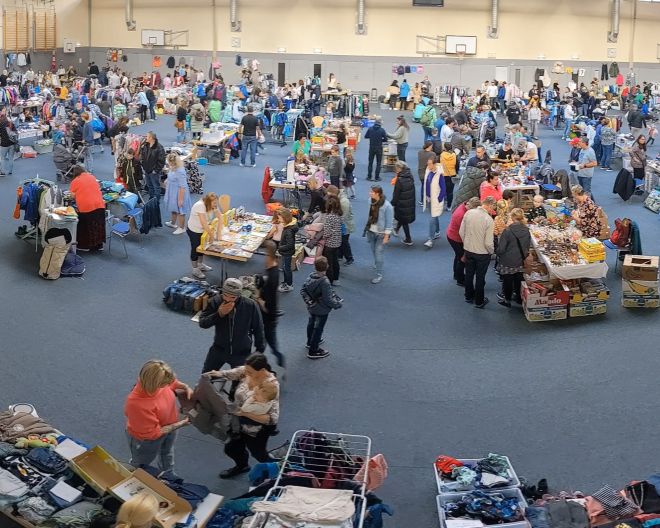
{"points": [[596, 270]]}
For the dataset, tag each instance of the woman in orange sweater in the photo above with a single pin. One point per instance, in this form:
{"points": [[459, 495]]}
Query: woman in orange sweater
{"points": [[91, 210], [152, 416]]}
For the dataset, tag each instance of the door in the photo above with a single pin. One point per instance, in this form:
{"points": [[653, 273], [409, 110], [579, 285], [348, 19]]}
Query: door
{"points": [[317, 70], [518, 77], [502, 74], [281, 73]]}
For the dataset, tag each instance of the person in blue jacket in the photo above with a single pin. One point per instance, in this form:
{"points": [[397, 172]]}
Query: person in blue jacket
{"points": [[404, 91], [376, 136], [501, 97]]}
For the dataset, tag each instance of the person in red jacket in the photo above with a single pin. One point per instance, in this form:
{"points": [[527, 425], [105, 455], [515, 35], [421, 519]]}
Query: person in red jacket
{"points": [[491, 187], [152, 416], [454, 237]]}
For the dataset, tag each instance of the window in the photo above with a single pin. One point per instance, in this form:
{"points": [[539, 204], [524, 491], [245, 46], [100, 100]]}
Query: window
{"points": [[16, 29]]}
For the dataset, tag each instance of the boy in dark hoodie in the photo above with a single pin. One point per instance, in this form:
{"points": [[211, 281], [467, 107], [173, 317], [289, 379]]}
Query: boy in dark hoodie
{"points": [[287, 247], [320, 300]]}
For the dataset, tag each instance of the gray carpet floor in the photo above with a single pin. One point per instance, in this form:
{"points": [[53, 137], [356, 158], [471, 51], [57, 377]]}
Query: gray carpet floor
{"points": [[412, 366]]}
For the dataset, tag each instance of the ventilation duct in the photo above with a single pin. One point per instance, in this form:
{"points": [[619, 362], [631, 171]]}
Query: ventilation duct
{"points": [[130, 21], [361, 27], [613, 35], [233, 16], [494, 18]]}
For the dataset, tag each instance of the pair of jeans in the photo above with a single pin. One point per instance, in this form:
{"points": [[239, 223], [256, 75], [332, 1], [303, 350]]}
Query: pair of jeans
{"points": [[459, 265], [378, 156], [501, 103], [286, 268], [270, 334], [152, 110], [345, 250], [533, 127], [606, 155], [181, 135], [144, 452], [237, 448], [89, 157], [567, 128], [401, 151], [315, 326], [332, 254], [249, 143], [153, 184], [584, 109], [598, 149], [511, 285], [143, 113], [7, 159], [476, 267], [434, 226], [493, 104], [377, 248], [218, 356], [585, 183], [428, 133]]}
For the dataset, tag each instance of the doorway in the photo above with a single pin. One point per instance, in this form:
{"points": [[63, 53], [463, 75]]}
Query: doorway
{"points": [[317, 70], [281, 73]]}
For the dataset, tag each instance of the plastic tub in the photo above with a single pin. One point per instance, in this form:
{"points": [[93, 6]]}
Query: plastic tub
{"points": [[441, 500], [472, 463], [202, 161]]}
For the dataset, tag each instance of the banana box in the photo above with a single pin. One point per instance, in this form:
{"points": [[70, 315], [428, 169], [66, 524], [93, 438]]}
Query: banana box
{"points": [[585, 309], [632, 288], [547, 313], [640, 268], [640, 302]]}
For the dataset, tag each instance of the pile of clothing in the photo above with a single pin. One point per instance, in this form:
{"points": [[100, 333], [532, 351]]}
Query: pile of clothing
{"points": [[494, 471], [489, 508]]}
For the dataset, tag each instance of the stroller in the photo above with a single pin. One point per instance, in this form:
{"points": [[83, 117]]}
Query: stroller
{"points": [[65, 159]]}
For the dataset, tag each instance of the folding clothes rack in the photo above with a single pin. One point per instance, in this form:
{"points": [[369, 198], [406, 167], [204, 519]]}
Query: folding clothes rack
{"points": [[34, 231]]}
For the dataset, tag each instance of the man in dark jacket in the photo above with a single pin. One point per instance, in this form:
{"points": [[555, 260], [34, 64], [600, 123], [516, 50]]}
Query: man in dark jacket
{"points": [[635, 121], [320, 300], [237, 321], [7, 142], [376, 136], [152, 156], [151, 97], [403, 200], [513, 114]]}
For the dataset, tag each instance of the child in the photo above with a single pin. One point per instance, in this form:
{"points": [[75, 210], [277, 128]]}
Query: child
{"points": [[275, 233], [349, 167], [448, 162], [260, 402], [653, 131], [287, 247], [538, 211], [320, 300]]}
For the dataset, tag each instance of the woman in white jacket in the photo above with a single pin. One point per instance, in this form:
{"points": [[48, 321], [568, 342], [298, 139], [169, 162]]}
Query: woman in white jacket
{"points": [[434, 193], [534, 115]]}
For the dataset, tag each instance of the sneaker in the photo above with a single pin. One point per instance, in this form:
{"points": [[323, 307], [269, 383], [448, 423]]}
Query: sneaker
{"points": [[198, 273], [241, 165], [378, 178], [436, 236], [204, 267], [233, 472], [349, 262], [171, 224], [253, 165], [378, 278], [369, 178], [320, 343], [178, 231], [482, 305], [336, 283], [501, 300], [284, 288], [429, 243], [319, 354], [407, 242], [608, 169], [469, 301]]}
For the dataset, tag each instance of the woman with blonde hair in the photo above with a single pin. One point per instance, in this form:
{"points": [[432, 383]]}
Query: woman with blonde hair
{"points": [[512, 250], [138, 512], [502, 217], [177, 194], [202, 213], [152, 417]]}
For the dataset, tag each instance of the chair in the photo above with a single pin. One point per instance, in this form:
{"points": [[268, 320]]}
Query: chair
{"points": [[225, 202], [122, 228], [621, 251], [119, 229]]}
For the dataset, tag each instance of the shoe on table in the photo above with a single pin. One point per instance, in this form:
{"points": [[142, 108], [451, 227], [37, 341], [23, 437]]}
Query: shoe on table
{"points": [[198, 273], [204, 267], [429, 243], [171, 224], [377, 279], [319, 354], [320, 343], [483, 304], [178, 231], [233, 472]]}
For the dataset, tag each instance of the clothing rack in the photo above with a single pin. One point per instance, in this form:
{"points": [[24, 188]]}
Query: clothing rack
{"points": [[33, 232]]}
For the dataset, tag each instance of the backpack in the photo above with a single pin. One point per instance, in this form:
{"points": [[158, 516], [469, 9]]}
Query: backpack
{"points": [[621, 233], [199, 115], [427, 117], [73, 265]]}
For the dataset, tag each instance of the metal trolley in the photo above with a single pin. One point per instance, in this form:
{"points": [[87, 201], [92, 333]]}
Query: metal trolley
{"points": [[303, 455]]}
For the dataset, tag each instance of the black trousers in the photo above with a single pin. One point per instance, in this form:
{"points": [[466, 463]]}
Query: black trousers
{"points": [[237, 448], [218, 356], [143, 112], [406, 231], [332, 254], [459, 265], [449, 188], [378, 156], [270, 334], [476, 267], [345, 251], [511, 285], [401, 151]]}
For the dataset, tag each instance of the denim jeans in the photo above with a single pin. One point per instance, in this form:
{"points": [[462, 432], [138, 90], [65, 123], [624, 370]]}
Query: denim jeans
{"points": [[476, 267], [377, 248], [7, 159], [89, 158], [144, 452], [153, 184], [249, 143], [181, 135], [501, 103], [315, 326], [567, 128], [598, 149], [152, 110], [585, 182], [606, 156], [434, 226], [286, 267]]}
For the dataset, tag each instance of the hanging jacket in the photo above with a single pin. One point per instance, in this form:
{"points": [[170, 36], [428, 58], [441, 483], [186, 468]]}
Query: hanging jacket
{"points": [[624, 185], [151, 216], [614, 69], [171, 62]]}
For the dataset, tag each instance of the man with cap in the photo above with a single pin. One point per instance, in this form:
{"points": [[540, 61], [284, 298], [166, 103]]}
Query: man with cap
{"points": [[237, 321]]}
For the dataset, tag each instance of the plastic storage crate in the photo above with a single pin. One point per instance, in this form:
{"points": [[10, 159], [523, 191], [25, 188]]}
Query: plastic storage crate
{"points": [[472, 463], [441, 500]]}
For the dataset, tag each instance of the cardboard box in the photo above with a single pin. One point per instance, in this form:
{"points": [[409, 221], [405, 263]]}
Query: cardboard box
{"points": [[99, 469], [173, 508], [639, 267], [639, 288], [585, 309], [640, 302], [545, 314], [577, 297], [534, 300]]}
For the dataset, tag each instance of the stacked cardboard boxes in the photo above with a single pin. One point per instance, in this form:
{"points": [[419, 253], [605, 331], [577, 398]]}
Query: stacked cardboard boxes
{"points": [[587, 297], [544, 300], [640, 282]]}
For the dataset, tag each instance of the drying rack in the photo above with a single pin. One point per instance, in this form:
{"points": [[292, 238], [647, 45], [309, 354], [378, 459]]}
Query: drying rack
{"points": [[357, 447]]}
